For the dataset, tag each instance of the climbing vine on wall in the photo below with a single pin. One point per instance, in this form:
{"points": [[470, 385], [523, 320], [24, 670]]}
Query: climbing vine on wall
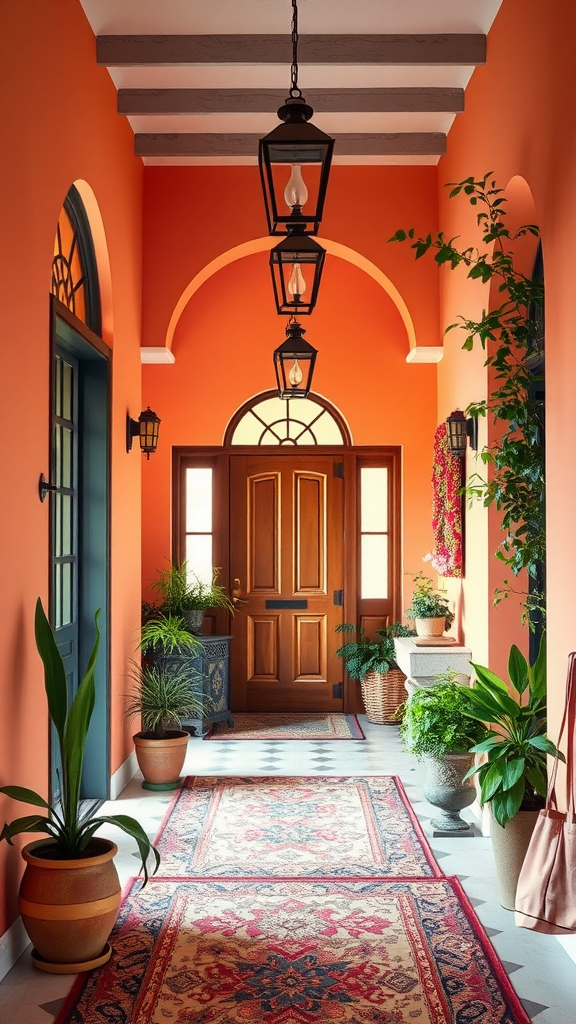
{"points": [[511, 337]]}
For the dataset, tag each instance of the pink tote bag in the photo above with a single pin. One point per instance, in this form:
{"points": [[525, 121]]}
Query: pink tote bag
{"points": [[546, 893]]}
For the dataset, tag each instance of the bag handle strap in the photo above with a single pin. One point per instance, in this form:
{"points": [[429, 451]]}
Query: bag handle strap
{"points": [[568, 720]]}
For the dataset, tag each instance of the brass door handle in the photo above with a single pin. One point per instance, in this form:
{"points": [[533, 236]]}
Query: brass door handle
{"points": [[236, 591]]}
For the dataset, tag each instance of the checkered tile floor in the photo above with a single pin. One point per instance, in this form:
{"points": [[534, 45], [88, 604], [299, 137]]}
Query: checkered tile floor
{"points": [[542, 968]]}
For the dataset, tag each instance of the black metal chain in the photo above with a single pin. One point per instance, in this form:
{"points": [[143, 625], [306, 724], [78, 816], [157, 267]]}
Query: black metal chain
{"points": [[294, 90]]}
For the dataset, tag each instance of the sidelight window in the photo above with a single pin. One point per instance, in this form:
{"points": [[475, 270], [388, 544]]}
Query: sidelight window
{"points": [[374, 532], [199, 521]]}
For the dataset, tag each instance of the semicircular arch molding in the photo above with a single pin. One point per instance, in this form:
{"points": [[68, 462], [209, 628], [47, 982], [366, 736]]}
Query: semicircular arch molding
{"points": [[99, 241], [255, 245]]}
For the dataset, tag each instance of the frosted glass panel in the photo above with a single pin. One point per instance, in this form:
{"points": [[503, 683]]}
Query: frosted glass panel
{"points": [[373, 499], [374, 570], [199, 555], [199, 500]]}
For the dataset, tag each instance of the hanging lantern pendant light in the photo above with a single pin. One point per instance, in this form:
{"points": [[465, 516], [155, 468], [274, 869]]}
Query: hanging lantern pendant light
{"points": [[295, 143], [294, 363], [296, 265]]}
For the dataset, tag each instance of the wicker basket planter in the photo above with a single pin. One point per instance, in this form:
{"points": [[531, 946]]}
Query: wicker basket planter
{"points": [[383, 695]]}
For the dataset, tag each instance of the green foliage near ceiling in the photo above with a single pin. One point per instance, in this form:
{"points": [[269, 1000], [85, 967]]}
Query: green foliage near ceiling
{"points": [[511, 334]]}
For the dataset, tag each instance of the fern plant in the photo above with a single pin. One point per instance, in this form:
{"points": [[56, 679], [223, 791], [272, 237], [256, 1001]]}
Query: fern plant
{"points": [[364, 655], [434, 721]]}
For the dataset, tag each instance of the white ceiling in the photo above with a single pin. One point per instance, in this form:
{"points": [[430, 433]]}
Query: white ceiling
{"points": [[325, 17]]}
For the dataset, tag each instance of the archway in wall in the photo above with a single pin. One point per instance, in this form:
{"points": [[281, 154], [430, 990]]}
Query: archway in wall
{"points": [[78, 494]]}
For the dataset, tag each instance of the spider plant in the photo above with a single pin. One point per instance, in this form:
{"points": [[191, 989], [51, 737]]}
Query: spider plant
{"points": [[162, 696]]}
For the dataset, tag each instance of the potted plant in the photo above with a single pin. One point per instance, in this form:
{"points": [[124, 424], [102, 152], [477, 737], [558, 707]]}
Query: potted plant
{"points": [[162, 696], [512, 779], [166, 634], [70, 893], [436, 729], [429, 608], [372, 662], [182, 592]]}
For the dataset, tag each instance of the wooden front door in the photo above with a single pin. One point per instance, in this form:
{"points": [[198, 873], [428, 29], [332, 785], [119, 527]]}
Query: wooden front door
{"points": [[287, 565]]}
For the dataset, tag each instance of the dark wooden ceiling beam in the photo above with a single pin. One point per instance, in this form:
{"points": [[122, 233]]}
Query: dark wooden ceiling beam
{"points": [[450, 49], [244, 144], [245, 101]]}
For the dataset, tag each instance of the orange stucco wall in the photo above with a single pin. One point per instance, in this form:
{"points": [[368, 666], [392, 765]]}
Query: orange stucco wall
{"points": [[224, 340], [59, 126], [519, 122]]}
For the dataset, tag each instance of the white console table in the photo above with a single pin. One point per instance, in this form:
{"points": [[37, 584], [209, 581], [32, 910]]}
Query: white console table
{"points": [[420, 664]]}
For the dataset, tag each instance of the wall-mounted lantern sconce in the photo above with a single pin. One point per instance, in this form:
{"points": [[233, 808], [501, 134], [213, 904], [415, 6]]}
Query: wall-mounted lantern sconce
{"points": [[296, 264], [294, 363], [292, 145], [146, 428], [460, 429]]}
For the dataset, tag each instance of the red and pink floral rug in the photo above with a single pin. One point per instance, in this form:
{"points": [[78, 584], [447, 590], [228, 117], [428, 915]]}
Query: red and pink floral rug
{"points": [[283, 726], [231, 951], [294, 827]]}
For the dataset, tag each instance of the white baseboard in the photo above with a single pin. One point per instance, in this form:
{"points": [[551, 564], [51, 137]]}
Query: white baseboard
{"points": [[12, 945], [122, 776]]}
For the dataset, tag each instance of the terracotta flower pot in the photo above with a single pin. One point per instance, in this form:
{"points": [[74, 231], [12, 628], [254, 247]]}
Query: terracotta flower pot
{"points": [[430, 627], [69, 907], [161, 760]]}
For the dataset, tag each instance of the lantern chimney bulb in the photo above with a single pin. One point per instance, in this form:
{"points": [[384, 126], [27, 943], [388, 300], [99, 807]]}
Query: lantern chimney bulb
{"points": [[295, 193], [295, 376], [297, 284]]}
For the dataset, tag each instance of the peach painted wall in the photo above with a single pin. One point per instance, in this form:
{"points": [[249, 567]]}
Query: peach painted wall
{"points": [[519, 122], [59, 126], [224, 341], [223, 352]]}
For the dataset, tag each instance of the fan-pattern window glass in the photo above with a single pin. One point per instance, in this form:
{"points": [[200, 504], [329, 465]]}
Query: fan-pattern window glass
{"points": [[68, 276], [297, 421], [74, 269]]}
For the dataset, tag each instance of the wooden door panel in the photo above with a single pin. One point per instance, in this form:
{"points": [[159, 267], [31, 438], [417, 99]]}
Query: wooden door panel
{"points": [[310, 533], [263, 523], [310, 650], [263, 661]]}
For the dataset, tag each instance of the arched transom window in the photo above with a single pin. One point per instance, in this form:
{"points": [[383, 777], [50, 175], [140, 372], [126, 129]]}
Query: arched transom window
{"points": [[74, 274], [269, 420]]}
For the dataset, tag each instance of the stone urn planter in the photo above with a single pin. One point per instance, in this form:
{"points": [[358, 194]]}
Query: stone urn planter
{"points": [[195, 619], [445, 789], [510, 845]]}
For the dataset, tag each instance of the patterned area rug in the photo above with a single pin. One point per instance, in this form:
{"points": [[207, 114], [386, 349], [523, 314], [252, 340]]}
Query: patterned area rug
{"points": [[293, 827], [261, 952], [289, 727]]}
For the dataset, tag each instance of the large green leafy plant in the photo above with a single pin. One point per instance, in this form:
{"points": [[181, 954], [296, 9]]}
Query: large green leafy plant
{"points": [[511, 334], [70, 834], [513, 777], [434, 722], [364, 655]]}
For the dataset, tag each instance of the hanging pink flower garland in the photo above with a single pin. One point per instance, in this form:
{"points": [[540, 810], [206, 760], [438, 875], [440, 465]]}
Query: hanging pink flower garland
{"points": [[447, 553]]}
